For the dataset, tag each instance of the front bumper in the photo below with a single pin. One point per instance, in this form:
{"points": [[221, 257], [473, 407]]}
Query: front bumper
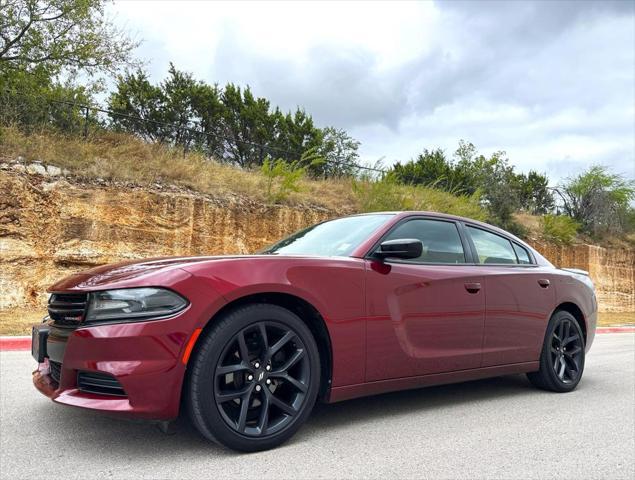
{"points": [[144, 357]]}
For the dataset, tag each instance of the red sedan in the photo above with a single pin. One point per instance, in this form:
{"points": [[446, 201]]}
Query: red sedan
{"points": [[349, 307]]}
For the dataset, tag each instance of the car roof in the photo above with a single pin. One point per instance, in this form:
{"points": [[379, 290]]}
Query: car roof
{"points": [[414, 213]]}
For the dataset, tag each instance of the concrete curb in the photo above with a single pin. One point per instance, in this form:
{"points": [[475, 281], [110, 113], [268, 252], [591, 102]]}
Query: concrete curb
{"points": [[9, 343]]}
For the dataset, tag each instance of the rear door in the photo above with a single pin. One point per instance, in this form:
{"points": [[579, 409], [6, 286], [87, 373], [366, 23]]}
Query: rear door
{"points": [[520, 298], [426, 315]]}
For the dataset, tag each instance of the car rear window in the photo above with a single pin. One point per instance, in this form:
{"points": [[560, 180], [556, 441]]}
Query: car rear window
{"points": [[492, 248], [522, 254]]}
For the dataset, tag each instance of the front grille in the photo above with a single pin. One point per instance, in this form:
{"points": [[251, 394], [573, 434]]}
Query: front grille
{"points": [[56, 371], [67, 309], [99, 383]]}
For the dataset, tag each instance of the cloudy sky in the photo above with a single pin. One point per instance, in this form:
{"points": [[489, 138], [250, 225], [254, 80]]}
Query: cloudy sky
{"points": [[551, 83]]}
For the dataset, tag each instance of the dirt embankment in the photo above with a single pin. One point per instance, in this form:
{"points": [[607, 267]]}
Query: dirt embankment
{"points": [[51, 226]]}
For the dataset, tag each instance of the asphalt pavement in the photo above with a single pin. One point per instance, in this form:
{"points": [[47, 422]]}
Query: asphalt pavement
{"points": [[497, 428]]}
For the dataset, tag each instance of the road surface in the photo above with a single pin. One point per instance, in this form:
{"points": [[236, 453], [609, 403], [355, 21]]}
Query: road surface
{"points": [[499, 428]]}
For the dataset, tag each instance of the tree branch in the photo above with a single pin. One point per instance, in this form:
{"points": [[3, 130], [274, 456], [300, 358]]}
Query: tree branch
{"points": [[16, 39]]}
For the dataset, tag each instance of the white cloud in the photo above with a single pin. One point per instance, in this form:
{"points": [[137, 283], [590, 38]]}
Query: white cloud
{"points": [[550, 83]]}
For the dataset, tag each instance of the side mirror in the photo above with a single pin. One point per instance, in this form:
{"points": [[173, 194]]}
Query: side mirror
{"points": [[400, 248]]}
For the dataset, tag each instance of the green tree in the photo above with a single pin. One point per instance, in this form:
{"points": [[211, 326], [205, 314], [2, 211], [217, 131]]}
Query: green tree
{"points": [[246, 125], [179, 110], [339, 151], [293, 134], [138, 106], [599, 200], [430, 168], [32, 99], [535, 196], [61, 35], [42, 41], [497, 181], [230, 124], [492, 179], [209, 109]]}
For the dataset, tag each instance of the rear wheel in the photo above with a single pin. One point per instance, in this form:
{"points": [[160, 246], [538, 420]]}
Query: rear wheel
{"points": [[255, 378], [562, 357]]}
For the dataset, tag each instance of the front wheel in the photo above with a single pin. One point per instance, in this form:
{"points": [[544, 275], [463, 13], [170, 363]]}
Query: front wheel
{"points": [[562, 357], [255, 378]]}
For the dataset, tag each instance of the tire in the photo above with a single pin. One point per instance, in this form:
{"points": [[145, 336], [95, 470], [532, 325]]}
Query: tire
{"points": [[254, 378], [562, 357]]}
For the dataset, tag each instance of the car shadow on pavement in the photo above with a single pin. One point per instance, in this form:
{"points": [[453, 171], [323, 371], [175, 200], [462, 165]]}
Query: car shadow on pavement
{"points": [[89, 432], [409, 402]]}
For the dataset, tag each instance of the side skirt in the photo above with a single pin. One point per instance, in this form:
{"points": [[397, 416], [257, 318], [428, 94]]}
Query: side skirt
{"points": [[337, 394]]}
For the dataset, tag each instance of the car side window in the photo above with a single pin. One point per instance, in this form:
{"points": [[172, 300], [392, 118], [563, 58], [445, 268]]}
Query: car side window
{"points": [[522, 254], [440, 239], [492, 248]]}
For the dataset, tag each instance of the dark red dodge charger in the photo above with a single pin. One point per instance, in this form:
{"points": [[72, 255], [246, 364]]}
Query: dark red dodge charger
{"points": [[349, 307]]}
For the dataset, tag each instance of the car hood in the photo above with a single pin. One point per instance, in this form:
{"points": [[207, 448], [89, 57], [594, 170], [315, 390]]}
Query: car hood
{"points": [[123, 272], [120, 275]]}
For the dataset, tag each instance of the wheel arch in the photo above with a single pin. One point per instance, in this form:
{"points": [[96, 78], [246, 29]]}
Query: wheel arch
{"points": [[305, 311], [574, 310]]}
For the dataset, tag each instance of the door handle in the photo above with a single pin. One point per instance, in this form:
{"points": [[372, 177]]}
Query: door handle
{"points": [[472, 287], [544, 283]]}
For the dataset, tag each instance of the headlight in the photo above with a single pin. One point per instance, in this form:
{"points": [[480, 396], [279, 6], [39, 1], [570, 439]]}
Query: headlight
{"points": [[133, 304]]}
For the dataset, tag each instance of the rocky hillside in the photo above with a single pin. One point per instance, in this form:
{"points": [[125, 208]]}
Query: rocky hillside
{"points": [[52, 224]]}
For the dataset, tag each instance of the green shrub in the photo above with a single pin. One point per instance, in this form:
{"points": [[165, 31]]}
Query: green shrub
{"points": [[559, 228], [283, 178], [388, 195]]}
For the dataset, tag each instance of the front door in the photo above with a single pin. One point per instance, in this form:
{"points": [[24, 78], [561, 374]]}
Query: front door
{"points": [[425, 315]]}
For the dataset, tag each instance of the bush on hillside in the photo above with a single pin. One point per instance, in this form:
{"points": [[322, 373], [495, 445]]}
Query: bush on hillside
{"points": [[388, 195], [559, 228]]}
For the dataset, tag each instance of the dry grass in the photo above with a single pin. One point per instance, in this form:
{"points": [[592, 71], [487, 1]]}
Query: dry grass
{"points": [[616, 318], [121, 157], [530, 222], [19, 321]]}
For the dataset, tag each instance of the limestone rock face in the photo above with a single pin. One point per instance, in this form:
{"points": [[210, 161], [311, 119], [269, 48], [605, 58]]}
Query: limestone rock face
{"points": [[49, 230], [611, 269], [52, 227]]}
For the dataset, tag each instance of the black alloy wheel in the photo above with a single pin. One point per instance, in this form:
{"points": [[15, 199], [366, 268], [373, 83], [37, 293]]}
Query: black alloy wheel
{"points": [[566, 351], [262, 379], [253, 378], [563, 355]]}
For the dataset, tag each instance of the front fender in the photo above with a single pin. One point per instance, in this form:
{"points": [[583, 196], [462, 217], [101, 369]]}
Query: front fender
{"points": [[334, 287]]}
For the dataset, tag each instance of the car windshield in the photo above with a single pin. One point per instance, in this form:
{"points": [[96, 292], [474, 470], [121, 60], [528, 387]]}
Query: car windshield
{"points": [[333, 238]]}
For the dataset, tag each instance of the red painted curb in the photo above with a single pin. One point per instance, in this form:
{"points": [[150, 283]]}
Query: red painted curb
{"points": [[615, 330], [15, 343], [24, 343]]}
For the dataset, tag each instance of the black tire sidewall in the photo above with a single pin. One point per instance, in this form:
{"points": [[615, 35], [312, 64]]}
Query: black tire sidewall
{"points": [[203, 384], [546, 363]]}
